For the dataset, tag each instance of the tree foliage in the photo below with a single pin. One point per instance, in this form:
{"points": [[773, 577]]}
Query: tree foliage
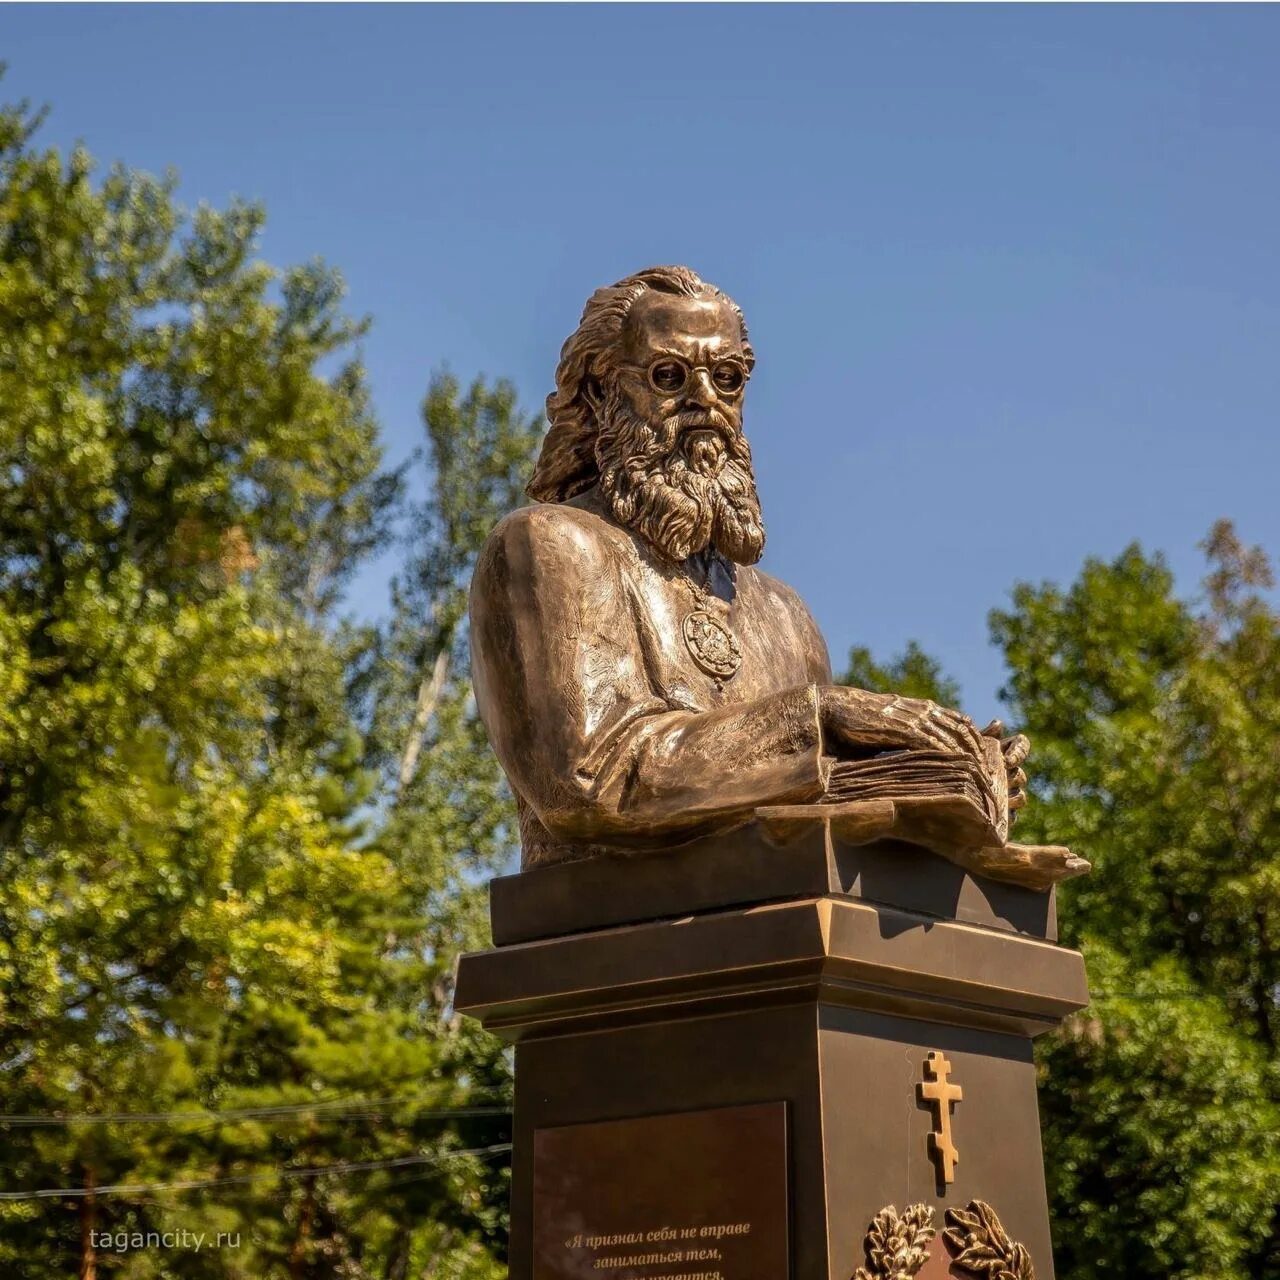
{"points": [[222, 885], [912, 673], [243, 838], [1156, 724]]}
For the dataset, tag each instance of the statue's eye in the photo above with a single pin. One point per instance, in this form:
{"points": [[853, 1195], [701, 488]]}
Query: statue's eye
{"points": [[728, 377], [668, 375]]}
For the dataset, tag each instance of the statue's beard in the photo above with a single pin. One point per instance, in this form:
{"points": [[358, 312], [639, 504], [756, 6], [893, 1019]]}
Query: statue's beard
{"points": [[683, 483]]}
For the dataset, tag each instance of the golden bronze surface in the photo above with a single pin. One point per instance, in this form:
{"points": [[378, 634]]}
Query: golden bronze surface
{"points": [[642, 683], [897, 1245], [980, 1246], [939, 1090]]}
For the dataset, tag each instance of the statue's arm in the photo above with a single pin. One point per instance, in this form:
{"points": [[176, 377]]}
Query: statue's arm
{"points": [[561, 683]]}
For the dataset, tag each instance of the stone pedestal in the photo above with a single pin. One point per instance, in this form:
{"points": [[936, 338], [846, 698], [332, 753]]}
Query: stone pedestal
{"points": [[824, 987]]}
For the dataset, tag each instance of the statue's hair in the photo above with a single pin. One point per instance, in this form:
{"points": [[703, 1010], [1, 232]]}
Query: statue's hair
{"points": [[567, 464]]}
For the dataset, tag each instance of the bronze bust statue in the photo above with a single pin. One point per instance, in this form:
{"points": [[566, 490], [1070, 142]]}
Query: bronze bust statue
{"points": [[642, 683]]}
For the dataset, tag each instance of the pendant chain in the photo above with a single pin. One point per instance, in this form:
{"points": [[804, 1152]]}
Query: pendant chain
{"points": [[701, 590]]}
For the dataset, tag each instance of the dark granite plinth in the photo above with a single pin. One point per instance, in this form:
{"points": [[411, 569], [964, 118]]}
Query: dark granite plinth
{"points": [[827, 1004], [746, 867]]}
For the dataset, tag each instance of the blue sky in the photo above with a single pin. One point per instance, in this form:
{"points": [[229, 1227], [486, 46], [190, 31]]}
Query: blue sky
{"points": [[1012, 273]]}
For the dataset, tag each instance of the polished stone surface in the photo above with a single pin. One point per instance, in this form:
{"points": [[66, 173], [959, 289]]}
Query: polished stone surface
{"points": [[830, 1005]]}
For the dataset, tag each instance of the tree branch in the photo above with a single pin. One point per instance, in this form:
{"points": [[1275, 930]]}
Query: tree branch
{"points": [[428, 696]]}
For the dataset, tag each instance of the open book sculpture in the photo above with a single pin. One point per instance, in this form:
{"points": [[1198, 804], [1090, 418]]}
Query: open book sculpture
{"points": [[934, 799], [642, 683]]}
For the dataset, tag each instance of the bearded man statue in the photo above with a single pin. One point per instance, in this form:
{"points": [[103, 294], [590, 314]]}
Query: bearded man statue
{"points": [[641, 682]]}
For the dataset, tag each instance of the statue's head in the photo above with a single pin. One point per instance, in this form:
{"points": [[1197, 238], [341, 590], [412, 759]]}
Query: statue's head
{"points": [[648, 405]]}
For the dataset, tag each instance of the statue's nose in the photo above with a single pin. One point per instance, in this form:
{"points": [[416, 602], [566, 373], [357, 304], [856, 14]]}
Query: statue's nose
{"points": [[701, 392]]}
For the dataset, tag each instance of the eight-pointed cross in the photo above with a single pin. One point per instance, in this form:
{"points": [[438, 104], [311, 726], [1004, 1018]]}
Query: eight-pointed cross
{"points": [[941, 1091]]}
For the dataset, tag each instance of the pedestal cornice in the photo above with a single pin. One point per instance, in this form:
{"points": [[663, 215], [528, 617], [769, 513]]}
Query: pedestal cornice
{"points": [[834, 951]]}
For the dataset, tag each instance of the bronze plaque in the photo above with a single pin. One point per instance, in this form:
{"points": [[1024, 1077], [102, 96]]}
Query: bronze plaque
{"points": [[695, 1195]]}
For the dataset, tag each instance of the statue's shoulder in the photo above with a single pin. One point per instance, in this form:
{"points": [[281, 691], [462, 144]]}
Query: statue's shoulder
{"points": [[558, 526], [568, 537], [781, 596], [784, 601]]}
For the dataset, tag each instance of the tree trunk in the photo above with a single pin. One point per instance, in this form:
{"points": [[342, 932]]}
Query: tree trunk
{"points": [[88, 1226], [398, 1255], [306, 1217], [428, 696], [438, 1256]]}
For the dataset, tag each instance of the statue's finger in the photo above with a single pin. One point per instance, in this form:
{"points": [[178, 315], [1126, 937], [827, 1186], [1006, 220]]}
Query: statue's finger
{"points": [[973, 739], [962, 734], [964, 738], [930, 730], [1017, 800], [1016, 749], [994, 730], [940, 735], [1017, 780]]}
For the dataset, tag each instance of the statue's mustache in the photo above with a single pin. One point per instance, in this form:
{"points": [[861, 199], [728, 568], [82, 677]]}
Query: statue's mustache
{"points": [[673, 430]]}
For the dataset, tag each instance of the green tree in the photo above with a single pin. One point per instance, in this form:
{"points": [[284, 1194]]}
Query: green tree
{"points": [[445, 814], [215, 891], [912, 673], [1155, 723]]}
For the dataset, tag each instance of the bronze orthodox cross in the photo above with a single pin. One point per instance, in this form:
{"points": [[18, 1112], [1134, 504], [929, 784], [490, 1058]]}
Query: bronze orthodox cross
{"points": [[940, 1091]]}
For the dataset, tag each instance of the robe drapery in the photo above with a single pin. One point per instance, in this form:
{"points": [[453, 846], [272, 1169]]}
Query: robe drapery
{"points": [[610, 734]]}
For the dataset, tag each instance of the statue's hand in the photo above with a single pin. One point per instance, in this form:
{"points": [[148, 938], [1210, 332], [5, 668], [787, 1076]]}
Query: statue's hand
{"points": [[1016, 748], [866, 721]]}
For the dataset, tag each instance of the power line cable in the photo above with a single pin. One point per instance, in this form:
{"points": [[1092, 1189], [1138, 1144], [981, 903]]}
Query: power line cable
{"points": [[336, 1106], [348, 1166], [1232, 993]]}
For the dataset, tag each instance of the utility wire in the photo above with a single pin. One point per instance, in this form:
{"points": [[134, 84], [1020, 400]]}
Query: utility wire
{"points": [[348, 1166], [336, 1106], [1232, 993]]}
